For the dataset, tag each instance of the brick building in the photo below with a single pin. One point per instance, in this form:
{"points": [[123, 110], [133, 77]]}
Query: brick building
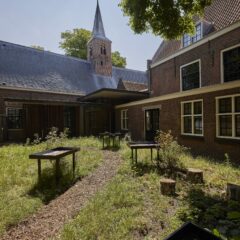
{"points": [[195, 87], [192, 86], [40, 89]]}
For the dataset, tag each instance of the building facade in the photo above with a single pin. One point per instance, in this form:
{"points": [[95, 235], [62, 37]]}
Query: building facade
{"points": [[195, 87], [40, 89]]}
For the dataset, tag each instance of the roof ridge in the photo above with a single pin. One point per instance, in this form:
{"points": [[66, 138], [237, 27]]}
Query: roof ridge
{"points": [[44, 51], [129, 69]]}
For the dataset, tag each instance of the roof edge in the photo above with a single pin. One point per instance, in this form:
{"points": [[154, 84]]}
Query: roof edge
{"points": [[202, 90], [40, 90], [45, 51], [204, 40]]}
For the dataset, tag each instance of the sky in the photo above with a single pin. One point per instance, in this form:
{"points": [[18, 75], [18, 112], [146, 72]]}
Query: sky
{"points": [[40, 22]]}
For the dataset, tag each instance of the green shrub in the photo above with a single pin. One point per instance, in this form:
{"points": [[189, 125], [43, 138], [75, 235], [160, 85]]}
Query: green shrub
{"points": [[170, 151]]}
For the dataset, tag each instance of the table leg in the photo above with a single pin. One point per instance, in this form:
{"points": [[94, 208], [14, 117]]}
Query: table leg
{"points": [[57, 170], [39, 170], [151, 154], [113, 141], [158, 157], [136, 155], [74, 165]]}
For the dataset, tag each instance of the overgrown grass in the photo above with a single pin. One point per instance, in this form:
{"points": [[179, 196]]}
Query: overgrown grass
{"points": [[20, 192], [132, 207]]}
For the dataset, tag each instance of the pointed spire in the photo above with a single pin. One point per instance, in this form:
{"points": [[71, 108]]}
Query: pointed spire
{"points": [[98, 29]]}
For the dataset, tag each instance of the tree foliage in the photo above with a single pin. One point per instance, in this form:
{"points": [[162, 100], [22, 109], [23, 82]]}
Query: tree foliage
{"points": [[37, 47], [74, 43], [167, 18], [118, 60]]}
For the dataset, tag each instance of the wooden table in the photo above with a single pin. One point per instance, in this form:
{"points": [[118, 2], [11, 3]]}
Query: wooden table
{"points": [[55, 154], [110, 138], [143, 145]]}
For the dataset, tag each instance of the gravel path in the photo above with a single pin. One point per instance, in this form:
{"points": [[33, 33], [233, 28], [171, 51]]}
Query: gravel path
{"points": [[49, 220]]}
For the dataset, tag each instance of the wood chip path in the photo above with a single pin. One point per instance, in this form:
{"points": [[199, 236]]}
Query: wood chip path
{"points": [[49, 220]]}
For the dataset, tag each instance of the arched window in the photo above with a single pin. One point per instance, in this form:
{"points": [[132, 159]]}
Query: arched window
{"points": [[104, 51]]}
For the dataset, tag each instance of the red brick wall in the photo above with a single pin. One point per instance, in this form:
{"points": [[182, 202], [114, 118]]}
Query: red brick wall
{"points": [[166, 77], [170, 119]]}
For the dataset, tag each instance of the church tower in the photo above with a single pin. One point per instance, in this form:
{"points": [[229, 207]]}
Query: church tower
{"points": [[99, 47]]}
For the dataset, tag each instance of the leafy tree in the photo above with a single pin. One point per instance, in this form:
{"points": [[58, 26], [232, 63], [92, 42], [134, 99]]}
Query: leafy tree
{"points": [[75, 42], [37, 47], [167, 18], [118, 60]]}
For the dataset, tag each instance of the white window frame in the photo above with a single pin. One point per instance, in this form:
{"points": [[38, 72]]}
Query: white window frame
{"points": [[191, 37], [124, 119], [17, 108], [221, 61], [192, 115], [200, 74], [232, 113]]}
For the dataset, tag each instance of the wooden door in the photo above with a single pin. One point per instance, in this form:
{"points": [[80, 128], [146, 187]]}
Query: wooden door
{"points": [[151, 123]]}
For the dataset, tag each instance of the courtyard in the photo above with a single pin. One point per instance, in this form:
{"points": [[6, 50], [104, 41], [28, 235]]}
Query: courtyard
{"points": [[110, 197]]}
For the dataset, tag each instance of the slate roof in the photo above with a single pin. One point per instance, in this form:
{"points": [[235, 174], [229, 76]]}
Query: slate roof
{"points": [[98, 28], [220, 14], [24, 67], [132, 86]]}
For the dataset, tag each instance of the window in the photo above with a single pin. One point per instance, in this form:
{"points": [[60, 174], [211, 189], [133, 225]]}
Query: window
{"points": [[15, 118], [190, 76], [192, 118], [228, 116], [231, 64], [187, 39], [124, 119]]}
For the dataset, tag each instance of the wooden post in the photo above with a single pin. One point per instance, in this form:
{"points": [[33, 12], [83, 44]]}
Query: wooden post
{"points": [[74, 165], [194, 175], [233, 192], [57, 170], [39, 170], [168, 186]]}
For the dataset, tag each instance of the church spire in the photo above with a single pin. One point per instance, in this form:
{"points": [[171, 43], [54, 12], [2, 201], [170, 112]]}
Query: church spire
{"points": [[98, 28]]}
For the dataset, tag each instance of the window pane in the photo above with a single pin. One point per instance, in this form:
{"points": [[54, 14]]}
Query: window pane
{"points": [[187, 128], [198, 125], [197, 107], [198, 33], [231, 61], [190, 76], [225, 125], [186, 40], [225, 105], [148, 122], [15, 118], [237, 104], [187, 109], [237, 123]]}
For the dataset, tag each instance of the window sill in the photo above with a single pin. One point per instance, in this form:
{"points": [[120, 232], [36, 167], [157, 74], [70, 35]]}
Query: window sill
{"points": [[200, 137], [227, 140]]}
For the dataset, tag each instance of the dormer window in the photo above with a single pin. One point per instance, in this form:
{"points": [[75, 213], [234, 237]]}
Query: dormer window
{"points": [[187, 39]]}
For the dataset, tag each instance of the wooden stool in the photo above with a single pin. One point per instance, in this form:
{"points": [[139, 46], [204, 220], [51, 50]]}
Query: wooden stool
{"points": [[195, 175], [167, 186]]}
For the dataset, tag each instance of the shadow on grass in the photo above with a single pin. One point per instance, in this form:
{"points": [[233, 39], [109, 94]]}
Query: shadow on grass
{"points": [[212, 212], [47, 189], [113, 149]]}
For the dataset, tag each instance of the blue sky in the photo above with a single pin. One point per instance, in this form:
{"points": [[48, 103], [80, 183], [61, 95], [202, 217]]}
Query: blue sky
{"points": [[40, 22]]}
